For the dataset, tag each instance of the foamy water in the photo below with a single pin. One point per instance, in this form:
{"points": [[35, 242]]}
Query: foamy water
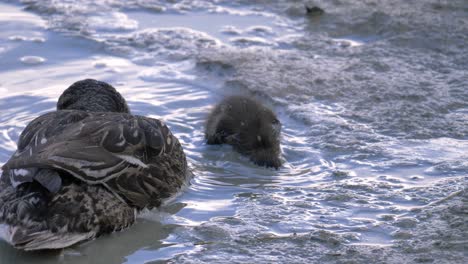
{"points": [[372, 98]]}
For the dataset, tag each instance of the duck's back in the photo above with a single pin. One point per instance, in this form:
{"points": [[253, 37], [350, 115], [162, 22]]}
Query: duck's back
{"points": [[78, 174]]}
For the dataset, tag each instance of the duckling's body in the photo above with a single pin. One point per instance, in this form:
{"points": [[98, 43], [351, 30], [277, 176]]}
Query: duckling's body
{"points": [[250, 127], [79, 174]]}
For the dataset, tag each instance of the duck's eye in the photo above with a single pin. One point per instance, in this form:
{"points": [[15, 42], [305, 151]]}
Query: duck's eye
{"points": [[275, 121]]}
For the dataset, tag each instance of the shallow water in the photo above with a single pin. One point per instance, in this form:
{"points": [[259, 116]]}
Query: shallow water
{"points": [[374, 112]]}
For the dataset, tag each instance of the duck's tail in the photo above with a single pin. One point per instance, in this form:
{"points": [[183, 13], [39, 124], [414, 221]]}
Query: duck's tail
{"points": [[33, 218], [30, 239]]}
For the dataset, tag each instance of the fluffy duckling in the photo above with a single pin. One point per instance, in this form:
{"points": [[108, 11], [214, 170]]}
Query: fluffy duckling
{"points": [[251, 128]]}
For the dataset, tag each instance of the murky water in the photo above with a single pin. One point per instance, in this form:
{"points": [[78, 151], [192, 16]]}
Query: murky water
{"points": [[373, 101]]}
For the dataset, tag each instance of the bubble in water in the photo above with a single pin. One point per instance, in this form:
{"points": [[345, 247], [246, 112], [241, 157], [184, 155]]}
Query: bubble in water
{"points": [[38, 39], [260, 30], [231, 30], [17, 38], [100, 65], [32, 60], [24, 38]]}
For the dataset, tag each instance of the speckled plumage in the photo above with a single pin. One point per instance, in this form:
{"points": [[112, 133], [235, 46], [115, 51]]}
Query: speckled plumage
{"points": [[250, 127], [79, 174]]}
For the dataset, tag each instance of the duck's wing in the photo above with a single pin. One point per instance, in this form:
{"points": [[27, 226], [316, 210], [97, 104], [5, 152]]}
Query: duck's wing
{"points": [[39, 132], [163, 170], [136, 157]]}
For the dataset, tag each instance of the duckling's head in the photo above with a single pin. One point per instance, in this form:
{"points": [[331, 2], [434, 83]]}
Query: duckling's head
{"points": [[260, 137], [253, 129], [93, 96]]}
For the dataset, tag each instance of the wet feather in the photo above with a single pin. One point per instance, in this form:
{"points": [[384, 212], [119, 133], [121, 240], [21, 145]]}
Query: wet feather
{"points": [[79, 173]]}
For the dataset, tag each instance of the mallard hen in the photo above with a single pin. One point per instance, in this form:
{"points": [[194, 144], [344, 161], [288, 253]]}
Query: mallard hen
{"points": [[86, 169]]}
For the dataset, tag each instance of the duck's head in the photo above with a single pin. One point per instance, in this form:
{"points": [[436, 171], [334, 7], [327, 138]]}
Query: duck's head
{"points": [[262, 135], [93, 96], [257, 130]]}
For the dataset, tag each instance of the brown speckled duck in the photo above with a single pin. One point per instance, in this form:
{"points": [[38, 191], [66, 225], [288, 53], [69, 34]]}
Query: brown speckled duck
{"points": [[250, 127], [86, 169]]}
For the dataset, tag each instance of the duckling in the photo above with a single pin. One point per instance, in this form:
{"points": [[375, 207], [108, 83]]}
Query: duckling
{"points": [[250, 127], [86, 170]]}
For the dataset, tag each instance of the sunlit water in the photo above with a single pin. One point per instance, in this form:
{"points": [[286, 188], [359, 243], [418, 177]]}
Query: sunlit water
{"points": [[368, 137]]}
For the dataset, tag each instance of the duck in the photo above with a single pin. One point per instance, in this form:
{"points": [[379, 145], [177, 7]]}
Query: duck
{"points": [[250, 127], [87, 169]]}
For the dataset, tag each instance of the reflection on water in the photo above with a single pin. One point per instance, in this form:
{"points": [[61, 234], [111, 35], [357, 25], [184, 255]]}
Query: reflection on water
{"points": [[16, 114], [108, 249]]}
